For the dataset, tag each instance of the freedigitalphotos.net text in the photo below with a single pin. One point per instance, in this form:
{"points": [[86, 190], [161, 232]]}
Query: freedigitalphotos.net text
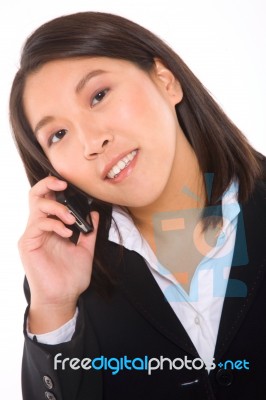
{"points": [[142, 364]]}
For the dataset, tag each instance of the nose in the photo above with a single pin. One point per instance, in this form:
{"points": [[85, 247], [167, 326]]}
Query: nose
{"points": [[95, 143]]}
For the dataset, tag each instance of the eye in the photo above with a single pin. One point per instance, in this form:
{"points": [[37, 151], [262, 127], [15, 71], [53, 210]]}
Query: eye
{"points": [[98, 97], [57, 136]]}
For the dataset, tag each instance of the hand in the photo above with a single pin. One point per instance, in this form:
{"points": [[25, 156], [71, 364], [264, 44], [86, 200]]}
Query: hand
{"points": [[57, 270]]}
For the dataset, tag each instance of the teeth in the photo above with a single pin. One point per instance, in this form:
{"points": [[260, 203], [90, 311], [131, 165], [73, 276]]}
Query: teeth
{"points": [[121, 165], [116, 169]]}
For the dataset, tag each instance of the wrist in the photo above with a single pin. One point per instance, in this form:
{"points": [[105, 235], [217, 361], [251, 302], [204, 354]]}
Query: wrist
{"points": [[44, 318]]}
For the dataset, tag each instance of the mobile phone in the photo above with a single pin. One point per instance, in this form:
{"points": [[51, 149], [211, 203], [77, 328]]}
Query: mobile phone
{"points": [[79, 206]]}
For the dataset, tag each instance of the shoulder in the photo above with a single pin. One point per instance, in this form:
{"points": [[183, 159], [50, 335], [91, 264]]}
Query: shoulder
{"points": [[254, 212]]}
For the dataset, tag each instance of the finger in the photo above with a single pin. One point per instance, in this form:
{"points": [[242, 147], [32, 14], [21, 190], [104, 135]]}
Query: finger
{"points": [[46, 225], [46, 186], [45, 207]]}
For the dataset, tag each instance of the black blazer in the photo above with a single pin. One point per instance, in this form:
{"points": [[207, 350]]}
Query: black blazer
{"points": [[137, 321]]}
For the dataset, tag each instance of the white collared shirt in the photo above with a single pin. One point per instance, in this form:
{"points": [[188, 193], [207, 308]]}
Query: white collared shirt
{"points": [[200, 310]]}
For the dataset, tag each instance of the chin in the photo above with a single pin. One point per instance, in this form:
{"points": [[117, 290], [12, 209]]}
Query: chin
{"points": [[141, 201]]}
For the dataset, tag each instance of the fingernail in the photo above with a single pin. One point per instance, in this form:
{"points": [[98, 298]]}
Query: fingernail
{"points": [[70, 216]]}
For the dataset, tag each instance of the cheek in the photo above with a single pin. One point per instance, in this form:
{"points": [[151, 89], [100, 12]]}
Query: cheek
{"points": [[152, 116], [69, 165], [82, 178], [126, 113], [136, 107], [75, 169], [143, 126]]}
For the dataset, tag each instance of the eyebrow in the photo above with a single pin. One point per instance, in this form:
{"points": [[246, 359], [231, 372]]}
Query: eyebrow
{"points": [[83, 81], [44, 121], [87, 77]]}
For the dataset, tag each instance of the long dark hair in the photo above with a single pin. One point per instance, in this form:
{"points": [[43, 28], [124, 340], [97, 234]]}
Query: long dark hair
{"points": [[220, 147]]}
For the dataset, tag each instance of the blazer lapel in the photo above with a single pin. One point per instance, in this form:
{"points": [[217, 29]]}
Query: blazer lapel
{"points": [[143, 292], [244, 280]]}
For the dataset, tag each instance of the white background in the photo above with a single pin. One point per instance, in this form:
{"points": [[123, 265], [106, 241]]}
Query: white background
{"points": [[223, 42]]}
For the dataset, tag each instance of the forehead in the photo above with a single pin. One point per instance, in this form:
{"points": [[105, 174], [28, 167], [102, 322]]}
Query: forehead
{"points": [[67, 74], [72, 67]]}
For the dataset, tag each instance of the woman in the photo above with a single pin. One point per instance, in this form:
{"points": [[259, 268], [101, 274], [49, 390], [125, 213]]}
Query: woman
{"points": [[161, 299]]}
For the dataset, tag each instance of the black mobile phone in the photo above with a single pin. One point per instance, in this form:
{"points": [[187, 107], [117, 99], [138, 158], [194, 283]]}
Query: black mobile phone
{"points": [[79, 206]]}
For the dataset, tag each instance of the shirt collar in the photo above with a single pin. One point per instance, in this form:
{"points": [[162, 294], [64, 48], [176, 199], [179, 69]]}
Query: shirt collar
{"points": [[132, 239]]}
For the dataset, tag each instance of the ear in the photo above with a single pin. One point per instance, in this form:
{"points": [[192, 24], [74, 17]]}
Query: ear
{"points": [[167, 81]]}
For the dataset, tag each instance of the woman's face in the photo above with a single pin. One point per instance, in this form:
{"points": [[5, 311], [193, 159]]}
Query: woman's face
{"points": [[106, 126]]}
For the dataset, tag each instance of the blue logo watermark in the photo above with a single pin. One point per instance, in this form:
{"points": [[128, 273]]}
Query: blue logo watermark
{"points": [[179, 243]]}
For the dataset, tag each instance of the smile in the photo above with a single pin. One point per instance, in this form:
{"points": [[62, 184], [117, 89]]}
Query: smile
{"points": [[121, 165]]}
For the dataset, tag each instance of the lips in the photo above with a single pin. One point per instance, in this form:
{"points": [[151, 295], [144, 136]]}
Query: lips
{"points": [[118, 164]]}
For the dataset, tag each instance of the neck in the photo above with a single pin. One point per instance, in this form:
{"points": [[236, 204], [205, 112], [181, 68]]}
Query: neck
{"points": [[184, 190]]}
